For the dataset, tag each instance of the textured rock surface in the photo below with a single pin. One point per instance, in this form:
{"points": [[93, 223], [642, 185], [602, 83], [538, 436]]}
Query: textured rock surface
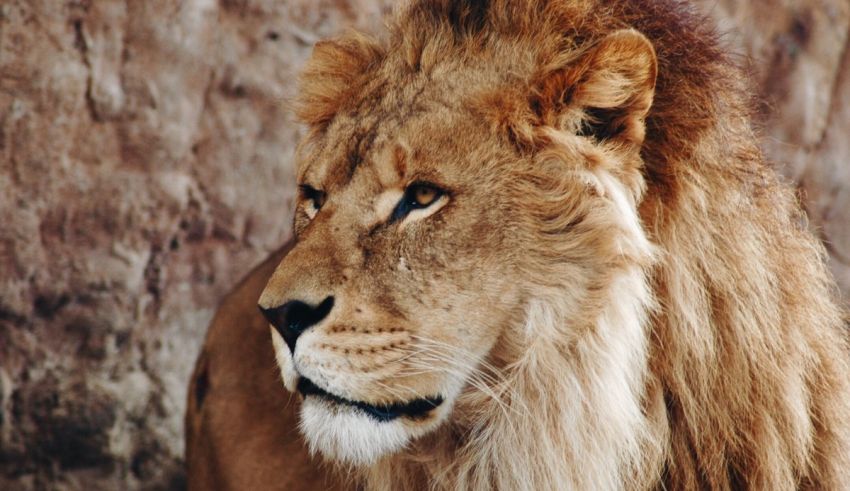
{"points": [[145, 166]]}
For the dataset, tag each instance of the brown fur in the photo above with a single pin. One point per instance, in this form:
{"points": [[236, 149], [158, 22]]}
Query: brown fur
{"points": [[551, 123]]}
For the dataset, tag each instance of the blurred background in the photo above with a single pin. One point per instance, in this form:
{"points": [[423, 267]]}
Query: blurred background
{"points": [[145, 167]]}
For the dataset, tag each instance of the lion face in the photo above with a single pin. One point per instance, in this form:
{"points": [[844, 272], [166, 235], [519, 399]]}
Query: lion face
{"points": [[406, 276], [424, 234]]}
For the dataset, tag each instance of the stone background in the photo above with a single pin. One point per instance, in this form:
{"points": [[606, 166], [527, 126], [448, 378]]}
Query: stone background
{"points": [[145, 167]]}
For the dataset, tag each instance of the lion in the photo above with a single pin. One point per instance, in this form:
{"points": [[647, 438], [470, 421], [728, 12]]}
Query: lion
{"points": [[536, 246]]}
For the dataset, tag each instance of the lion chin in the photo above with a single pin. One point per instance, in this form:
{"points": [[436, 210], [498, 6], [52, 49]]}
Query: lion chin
{"points": [[350, 436], [359, 433]]}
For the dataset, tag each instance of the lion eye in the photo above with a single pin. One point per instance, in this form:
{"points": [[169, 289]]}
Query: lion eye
{"points": [[313, 197], [424, 195], [417, 196]]}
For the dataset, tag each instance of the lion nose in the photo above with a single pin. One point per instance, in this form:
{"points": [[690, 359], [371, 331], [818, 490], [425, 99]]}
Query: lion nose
{"points": [[294, 317]]}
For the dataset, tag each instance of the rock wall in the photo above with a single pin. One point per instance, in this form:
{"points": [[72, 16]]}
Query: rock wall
{"points": [[145, 165]]}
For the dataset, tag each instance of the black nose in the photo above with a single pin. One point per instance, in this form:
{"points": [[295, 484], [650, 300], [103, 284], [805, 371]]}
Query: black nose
{"points": [[295, 317]]}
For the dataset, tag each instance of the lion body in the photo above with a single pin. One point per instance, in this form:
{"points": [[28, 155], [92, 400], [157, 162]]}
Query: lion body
{"points": [[706, 350]]}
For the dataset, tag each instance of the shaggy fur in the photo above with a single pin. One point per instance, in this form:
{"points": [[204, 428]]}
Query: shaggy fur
{"points": [[615, 292]]}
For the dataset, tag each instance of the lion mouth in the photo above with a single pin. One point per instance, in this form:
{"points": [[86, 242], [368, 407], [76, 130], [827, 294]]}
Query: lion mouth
{"points": [[415, 409]]}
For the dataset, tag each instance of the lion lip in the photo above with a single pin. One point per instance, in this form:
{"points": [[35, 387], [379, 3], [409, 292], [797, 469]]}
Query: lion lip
{"points": [[415, 409]]}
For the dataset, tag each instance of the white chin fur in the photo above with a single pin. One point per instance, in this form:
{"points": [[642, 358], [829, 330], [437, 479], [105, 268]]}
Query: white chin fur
{"points": [[347, 435]]}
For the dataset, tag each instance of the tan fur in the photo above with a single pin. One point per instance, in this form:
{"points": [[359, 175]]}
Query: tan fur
{"points": [[616, 292]]}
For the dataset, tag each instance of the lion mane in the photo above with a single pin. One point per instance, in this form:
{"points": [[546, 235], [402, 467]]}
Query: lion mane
{"points": [[716, 354]]}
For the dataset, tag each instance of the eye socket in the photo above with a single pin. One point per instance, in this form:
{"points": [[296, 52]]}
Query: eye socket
{"points": [[315, 197], [417, 196]]}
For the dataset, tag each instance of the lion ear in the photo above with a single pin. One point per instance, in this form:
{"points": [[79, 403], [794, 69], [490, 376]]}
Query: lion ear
{"points": [[334, 72], [611, 88]]}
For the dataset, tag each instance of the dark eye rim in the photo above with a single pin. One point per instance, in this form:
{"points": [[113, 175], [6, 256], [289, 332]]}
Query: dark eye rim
{"points": [[408, 202], [312, 194]]}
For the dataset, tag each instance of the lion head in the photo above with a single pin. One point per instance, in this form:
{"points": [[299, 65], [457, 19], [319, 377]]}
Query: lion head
{"points": [[472, 255]]}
